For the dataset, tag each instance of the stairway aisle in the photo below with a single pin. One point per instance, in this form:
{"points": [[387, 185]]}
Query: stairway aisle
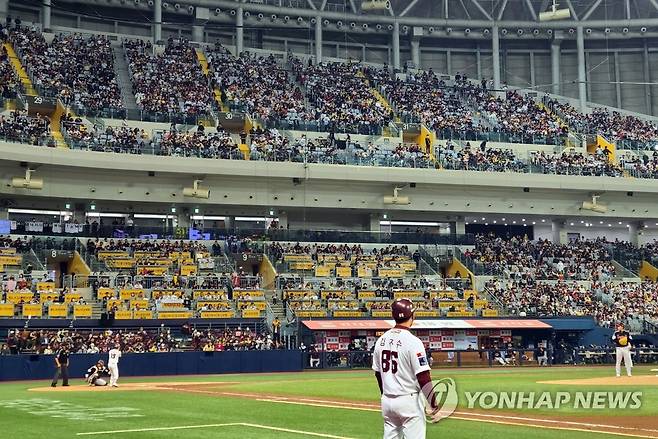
{"points": [[123, 78]]}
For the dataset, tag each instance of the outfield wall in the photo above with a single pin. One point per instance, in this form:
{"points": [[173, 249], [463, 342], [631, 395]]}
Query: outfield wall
{"points": [[27, 367]]}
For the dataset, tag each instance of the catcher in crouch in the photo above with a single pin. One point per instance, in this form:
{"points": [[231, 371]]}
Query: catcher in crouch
{"points": [[97, 374]]}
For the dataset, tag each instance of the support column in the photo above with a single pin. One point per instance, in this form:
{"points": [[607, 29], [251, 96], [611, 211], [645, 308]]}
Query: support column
{"points": [[396, 45], [201, 17], [157, 20], [197, 33], [559, 235], [532, 69], [46, 14], [239, 31], [555, 67], [183, 220], [582, 90], [647, 79], [229, 223], [448, 62], [318, 39], [283, 220], [415, 53], [374, 223], [460, 226], [617, 79], [478, 63], [4, 213], [4, 9], [495, 56], [633, 228]]}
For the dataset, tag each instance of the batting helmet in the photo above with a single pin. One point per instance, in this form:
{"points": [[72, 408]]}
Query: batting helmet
{"points": [[402, 310]]}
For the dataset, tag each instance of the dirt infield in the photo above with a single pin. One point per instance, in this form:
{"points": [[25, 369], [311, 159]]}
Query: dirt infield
{"points": [[641, 380], [126, 387]]}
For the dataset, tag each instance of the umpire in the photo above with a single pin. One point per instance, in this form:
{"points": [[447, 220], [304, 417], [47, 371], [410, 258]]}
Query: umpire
{"points": [[62, 365]]}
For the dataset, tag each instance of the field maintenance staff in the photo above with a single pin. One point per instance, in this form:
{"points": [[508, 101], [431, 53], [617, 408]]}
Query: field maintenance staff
{"points": [[62, 365]]}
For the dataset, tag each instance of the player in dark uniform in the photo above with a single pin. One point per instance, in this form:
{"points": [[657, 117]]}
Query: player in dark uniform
{"points": [[96, 375], [622, 340], [62, 365]]}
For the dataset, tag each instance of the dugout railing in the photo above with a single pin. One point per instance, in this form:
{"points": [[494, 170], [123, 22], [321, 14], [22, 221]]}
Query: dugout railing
{"points": [[358, 359]]}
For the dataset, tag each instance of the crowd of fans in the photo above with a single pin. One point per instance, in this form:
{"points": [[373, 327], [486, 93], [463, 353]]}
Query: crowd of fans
{"points": [[611, 124], [607, 302], [19, 126], [9, 82], [521, 259], [47, 341], [340, 97], [79, 70], [168, 83], [258, 85]]}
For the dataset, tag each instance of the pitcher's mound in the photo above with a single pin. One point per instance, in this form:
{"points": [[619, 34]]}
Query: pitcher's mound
{"points": [[640, 380], [123, 387]]}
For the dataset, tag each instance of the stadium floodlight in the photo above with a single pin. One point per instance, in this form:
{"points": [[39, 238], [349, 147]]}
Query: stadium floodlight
{"points": [[375, 5], [554, 13], [594, 206], [196, 191], [28, 182], [396, 199]]}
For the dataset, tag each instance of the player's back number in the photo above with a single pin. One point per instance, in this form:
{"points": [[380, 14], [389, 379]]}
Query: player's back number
{"points": [[389, 361]]}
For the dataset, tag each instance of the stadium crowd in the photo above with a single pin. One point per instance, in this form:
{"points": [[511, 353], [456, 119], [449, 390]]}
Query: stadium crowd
{"points": [[78, 70], [168, 83], [520, 258]]}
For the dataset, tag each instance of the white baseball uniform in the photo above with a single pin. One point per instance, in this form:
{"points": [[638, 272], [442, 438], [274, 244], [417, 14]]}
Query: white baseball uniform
{"points": [[399, 356], [113, 365], [623, 351]]}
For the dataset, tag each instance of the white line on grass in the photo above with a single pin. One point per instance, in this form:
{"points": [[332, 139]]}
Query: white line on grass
{"points": [[462, 417], [189, 427]]}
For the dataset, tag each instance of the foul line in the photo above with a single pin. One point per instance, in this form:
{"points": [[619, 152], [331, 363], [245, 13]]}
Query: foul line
{"points": [[461, 417], [189, 427]]}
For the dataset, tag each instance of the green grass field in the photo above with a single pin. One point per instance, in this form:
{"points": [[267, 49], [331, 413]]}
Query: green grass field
{"points": [[293, 406]]}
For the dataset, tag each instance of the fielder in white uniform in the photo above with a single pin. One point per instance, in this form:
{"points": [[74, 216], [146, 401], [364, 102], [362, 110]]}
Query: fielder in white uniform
{"points": [[402, 370], [113, 366], [622, 340]]}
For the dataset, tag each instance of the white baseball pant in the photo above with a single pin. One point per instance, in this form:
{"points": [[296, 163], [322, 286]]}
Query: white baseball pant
{"points": [[404, 418], [625, 354], [114, 374]]}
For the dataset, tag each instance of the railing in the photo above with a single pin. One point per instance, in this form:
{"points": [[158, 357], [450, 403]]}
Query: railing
{"points": [[494, 136], [358, 359], [477, 268]]}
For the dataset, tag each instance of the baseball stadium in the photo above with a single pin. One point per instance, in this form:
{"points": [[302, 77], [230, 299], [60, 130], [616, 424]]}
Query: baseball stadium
{"points": [[344, 219]]}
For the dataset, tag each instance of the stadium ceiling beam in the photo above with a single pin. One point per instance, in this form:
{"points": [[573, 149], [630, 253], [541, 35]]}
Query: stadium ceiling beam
{"points": [[531, 9], [573, 10], [310, 3], [323, 5], [654, 3], [468, 14], [391, 12], [501, 11], [481, 9], [591, 9], [408, 8], [352, 6], [628, 9], [415, 21]]}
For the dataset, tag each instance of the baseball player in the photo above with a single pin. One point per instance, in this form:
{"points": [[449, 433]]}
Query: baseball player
{"points": [[96, 373], [113, 365], [402, 370], [622, 340]]}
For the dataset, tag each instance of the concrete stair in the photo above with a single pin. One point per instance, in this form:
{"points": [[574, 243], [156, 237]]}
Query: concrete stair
{"points": [[20, 70], [123, 78]]}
